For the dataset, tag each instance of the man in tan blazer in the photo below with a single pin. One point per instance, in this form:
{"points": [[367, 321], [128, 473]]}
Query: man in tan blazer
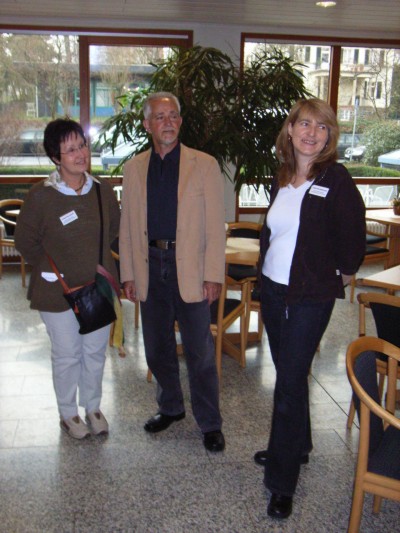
{"points": [[172, 252]]}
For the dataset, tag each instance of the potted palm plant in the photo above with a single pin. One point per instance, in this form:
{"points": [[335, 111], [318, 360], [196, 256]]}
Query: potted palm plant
{"points": [[234, 115]]}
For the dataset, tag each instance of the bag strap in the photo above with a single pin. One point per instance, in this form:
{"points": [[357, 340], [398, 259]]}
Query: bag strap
{"points": [[101, 223], [52, 263], [57, 273]]}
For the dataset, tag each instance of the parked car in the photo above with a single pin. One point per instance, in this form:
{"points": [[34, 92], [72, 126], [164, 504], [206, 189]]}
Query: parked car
{"points": [[356, 153], [123, 149], [109, 158], [347, 140], [101, 141], [390, 160], [28, 142]]}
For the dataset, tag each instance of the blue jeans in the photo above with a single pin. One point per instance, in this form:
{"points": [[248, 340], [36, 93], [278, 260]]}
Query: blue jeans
{"points": [[162, 307], [294, 333]]}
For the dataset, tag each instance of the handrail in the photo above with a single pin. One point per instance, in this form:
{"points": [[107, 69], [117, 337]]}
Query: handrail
{"points": [[257, 210]]}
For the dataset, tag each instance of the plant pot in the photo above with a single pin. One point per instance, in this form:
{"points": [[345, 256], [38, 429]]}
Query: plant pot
{"points": [[396, 209]]}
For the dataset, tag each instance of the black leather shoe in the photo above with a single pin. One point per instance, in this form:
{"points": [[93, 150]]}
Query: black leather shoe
{"points": [[261, 458], [214, 441], [280, 506], [159, 422]]}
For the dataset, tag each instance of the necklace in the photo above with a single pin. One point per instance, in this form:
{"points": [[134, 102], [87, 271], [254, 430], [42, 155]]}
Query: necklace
{"points": [[81, 187]]}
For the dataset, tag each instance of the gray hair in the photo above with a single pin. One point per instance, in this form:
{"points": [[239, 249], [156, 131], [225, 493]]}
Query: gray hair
{"points": [[158, 96]]}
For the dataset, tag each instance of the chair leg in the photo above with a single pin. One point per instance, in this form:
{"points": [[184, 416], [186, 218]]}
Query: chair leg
{"points": [[352, 288], [356, 510], [1, 262], [243, 341], [23, 272], [260, 329], [218, 353], [377, 504], [137, 309], [350, 416], [149, 375]]}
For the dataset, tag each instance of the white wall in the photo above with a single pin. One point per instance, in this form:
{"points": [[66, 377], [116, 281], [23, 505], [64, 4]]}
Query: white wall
{"points": [[228, 41]]}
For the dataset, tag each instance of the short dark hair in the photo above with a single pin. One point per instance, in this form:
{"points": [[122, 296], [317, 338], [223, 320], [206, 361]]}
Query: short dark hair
{"points": [[56, 132]]}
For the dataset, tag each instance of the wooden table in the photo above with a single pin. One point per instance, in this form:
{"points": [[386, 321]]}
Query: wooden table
{"points": [[388, 279], [388, 217], [242, 251]]}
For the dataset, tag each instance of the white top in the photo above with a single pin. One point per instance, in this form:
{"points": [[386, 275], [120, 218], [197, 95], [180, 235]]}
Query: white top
{"points": [[283, 220], [55, 180]]}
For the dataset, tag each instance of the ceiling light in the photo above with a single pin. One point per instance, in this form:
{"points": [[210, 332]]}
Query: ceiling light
{"points": [[325, 4]]}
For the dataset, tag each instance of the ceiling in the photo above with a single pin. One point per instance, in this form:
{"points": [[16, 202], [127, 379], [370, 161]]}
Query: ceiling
{"points": [[368, 18]]}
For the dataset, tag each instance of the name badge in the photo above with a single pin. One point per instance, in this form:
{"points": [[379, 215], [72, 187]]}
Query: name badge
{"points": [[50, 276], [318, 190], [68, 218]]}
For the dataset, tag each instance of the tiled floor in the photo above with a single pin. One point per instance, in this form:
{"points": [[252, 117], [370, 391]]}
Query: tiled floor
{"points": [[136, 482]]}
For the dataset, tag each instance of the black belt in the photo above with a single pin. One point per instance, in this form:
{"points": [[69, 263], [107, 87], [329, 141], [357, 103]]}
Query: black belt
{"points": [[163, 244]]}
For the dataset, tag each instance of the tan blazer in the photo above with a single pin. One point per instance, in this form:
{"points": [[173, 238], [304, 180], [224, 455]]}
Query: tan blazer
{"points": [[200, 234]]}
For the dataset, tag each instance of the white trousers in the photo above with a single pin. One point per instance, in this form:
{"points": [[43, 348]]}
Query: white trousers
{"points": [[77, 362]]}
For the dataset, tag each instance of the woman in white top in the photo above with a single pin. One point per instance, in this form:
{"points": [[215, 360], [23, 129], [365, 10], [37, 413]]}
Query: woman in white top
{"points": [[312, 242]]}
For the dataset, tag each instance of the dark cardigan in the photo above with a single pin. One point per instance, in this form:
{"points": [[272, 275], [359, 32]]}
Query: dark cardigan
{"points": [[330, 240]]}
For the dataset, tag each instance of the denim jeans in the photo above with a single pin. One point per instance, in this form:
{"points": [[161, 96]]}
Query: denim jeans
{"points": [[294, 332], [162, 307]]}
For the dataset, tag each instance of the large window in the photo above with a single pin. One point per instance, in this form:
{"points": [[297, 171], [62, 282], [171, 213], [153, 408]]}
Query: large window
{"points": [[48, 75], [362, 84]]}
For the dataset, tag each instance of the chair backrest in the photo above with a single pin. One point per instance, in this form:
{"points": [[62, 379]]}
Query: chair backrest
{"points": [[248, 230], [378, 461], [361, 371], [8, 221], [382, 195], [386, 312]]}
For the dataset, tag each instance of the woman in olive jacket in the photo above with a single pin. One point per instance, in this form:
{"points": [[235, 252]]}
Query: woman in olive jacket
{"points": [[60, 217]]}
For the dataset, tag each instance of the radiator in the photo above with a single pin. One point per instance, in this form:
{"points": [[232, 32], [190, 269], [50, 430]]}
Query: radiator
{"points": [[7, 251], [376, 227]]}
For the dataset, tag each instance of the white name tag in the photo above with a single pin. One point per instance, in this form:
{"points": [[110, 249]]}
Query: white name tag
{"points": [[317, 190], [50, 276], [68, 218]]}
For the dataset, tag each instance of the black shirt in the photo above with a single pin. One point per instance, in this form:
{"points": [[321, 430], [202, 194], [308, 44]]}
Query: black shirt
{"points": [[162, 195]]}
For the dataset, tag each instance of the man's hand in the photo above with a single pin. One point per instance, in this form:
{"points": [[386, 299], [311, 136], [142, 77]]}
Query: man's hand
{"points": [[130, 290], [211, 291]]}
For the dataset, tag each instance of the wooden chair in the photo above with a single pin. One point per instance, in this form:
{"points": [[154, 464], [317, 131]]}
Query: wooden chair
{"points": [[376, 250], [378, 462], [386, 313], [245, 275], [254, 304], [224, 312], [9, 227]]}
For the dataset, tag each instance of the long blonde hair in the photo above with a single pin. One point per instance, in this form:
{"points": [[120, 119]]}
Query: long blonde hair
{"points": [[321, 111]]}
